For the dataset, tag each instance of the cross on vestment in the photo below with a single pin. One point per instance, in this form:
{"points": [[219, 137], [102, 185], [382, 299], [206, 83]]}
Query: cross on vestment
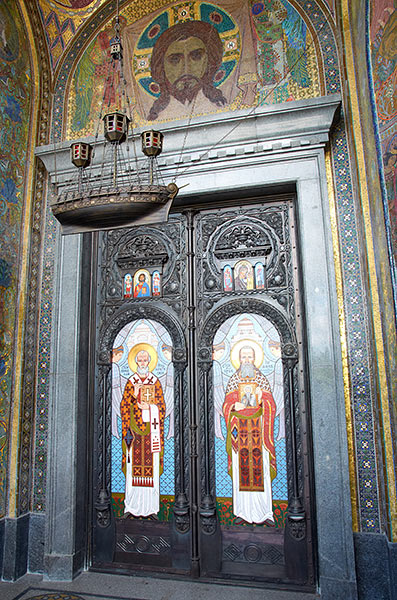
{"points": [[155, 423], [147, 395]]}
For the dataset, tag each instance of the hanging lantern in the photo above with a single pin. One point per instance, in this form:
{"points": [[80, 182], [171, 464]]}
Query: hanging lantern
{"points": [[152, 142], [115, 192], [116, 49], [116, 127], [80, 154]]}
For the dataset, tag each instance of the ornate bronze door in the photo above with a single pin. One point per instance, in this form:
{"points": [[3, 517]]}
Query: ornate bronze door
{"points": [[202, 418]]}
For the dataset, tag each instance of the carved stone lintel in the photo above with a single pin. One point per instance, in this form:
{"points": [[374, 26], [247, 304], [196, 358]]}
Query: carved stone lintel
{"points": [[102, 507]]}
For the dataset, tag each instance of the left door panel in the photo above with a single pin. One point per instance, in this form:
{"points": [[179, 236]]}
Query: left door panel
{"points": [[139, 445]]}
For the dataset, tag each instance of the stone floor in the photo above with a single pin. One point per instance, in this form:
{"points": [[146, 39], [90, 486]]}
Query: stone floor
{"points": [[99, 586]]}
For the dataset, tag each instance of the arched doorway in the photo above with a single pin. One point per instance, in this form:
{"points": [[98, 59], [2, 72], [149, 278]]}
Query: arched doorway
{"points": [[216, 293]]}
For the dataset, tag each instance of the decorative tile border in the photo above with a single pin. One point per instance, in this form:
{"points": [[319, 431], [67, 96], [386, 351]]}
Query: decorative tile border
{"points": [[355, 304], [357, 339], [43, 364]]}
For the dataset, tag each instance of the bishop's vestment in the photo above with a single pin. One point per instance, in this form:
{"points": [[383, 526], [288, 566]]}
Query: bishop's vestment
{"points": [[143, 444], [250, 445]]}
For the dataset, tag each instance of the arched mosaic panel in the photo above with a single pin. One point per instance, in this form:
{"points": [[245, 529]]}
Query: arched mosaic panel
{"points": [[251, 53]]}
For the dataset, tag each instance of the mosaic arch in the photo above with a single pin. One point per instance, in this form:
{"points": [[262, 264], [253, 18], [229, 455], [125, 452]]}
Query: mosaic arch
{"points": [[15, 94], [382, 59], [351, 294], [252, 53], [61, 21]]}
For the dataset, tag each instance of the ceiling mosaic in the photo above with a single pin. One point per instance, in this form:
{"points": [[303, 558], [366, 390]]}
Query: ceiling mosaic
{"points": [[257, 53], [61, 21]]}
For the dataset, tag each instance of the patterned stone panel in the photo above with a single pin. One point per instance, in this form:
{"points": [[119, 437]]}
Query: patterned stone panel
{"points": [[355, 303], [29, 378], [43, 245], [43, 364]]}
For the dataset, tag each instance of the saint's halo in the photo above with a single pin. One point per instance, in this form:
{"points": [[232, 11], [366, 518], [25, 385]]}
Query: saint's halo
{"points": [[137, 348], [234, 353]]}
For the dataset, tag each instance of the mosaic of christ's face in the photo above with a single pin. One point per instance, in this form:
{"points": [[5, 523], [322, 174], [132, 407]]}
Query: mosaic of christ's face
{"points": [[185, 63]]}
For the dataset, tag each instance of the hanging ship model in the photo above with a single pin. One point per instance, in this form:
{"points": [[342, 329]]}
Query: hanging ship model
{"points": [[113, 193]]}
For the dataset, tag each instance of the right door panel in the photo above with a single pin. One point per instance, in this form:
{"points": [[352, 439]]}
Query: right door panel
{"points": [[254, 410]]}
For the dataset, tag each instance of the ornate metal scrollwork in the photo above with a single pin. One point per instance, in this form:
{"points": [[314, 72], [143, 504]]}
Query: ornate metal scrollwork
{"points": [[125, 315], [142, 251], [289, 352], [179, 356], [245, 237], [142, 544], [265, 554], [181, 514], [297, 529], [205, 359], [156, 248], [104, 357], [252, 305], [208, 515], [103, 508]]}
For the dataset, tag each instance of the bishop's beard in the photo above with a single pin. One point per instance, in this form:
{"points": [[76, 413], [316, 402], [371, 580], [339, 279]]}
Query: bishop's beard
{"points": [[142, 371], [247, 370]]}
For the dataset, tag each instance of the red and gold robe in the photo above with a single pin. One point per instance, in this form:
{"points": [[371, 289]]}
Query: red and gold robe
{"points": [[137, 432], [250, 430]]}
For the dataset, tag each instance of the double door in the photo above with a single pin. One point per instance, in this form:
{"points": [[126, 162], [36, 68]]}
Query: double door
{"points": [[201, 420]]}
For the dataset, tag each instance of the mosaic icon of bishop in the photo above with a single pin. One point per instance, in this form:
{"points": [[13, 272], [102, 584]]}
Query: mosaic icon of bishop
{"points": [[249, 410], [142, 414]]}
